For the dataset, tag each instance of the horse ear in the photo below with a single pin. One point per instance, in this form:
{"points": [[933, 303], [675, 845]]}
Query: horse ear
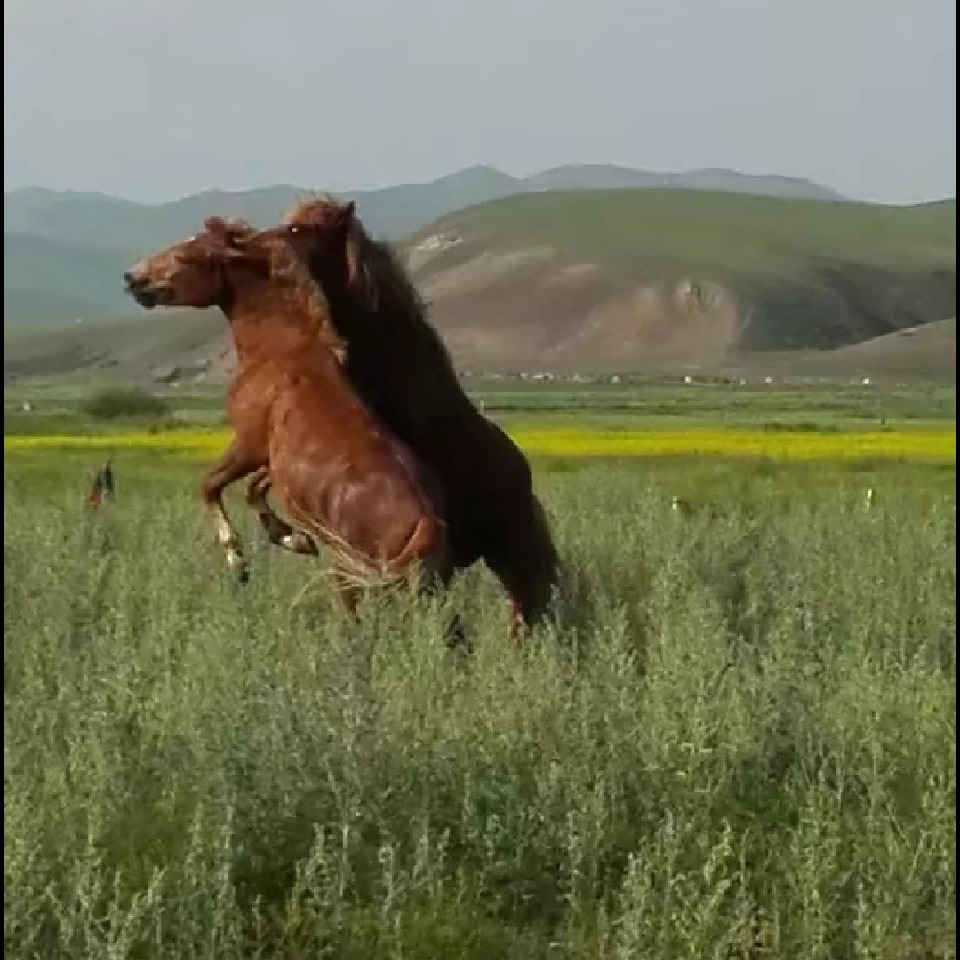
{"points": [[346, 214], [216, 225], [230, 230]]}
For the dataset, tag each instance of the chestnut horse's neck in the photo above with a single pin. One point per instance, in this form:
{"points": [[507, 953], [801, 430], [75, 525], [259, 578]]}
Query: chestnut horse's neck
{"points": [[270, 316]]}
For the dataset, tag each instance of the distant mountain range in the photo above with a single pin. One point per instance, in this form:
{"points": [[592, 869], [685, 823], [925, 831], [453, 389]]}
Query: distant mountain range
{"points": [[573, 281], [64, 252]]}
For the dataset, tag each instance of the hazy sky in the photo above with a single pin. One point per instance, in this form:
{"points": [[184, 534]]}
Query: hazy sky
{"points": [[153, 99]]}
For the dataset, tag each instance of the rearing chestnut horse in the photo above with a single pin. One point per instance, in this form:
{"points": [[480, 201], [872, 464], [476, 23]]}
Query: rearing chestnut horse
{"points": [[338, 473], [402, 370]]}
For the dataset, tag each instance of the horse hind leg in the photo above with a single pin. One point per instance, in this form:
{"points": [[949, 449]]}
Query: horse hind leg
{"points": [[278, 531], [433, 575]]}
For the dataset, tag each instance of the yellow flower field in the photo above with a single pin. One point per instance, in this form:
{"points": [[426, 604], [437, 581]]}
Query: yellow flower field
{"points": [[571, 441], [781, 445]]}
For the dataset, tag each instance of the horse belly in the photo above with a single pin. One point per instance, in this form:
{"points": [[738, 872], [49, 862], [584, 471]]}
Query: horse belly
{"points": [[365, 510], [341, 476]]}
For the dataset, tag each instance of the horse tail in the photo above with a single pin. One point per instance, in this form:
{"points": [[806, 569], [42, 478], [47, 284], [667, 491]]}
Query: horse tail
{"points": [[425, 547]]}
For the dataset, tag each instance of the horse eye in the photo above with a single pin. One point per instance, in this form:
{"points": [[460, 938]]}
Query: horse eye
{"points": [[294, 229]]}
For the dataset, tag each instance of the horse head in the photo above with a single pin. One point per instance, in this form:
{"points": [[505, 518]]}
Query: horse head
{"points": [[399, 362], [194, 272], [330, 239]]}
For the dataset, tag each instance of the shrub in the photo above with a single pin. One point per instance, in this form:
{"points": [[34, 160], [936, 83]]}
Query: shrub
{"points": [[110, 403]]}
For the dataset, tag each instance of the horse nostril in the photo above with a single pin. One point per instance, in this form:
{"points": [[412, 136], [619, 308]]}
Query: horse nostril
{"points": [[131, 279]]}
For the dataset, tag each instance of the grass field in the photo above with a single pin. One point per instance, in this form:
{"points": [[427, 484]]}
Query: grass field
{"points": [[738, 742]]}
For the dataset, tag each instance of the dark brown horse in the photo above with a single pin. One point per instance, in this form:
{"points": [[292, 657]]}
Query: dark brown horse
{"points": [[341, 477], [402, 370]]}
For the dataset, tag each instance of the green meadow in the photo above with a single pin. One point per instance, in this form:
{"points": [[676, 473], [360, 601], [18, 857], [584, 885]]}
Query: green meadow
{"points": [[737, 740]]}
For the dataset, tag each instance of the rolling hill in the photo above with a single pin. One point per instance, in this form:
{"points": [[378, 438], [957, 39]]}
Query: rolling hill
{"points": [[898, 355], [636, 279], [148, 347], [47, 279], [605, 177], [624, 279], [62, 249]]}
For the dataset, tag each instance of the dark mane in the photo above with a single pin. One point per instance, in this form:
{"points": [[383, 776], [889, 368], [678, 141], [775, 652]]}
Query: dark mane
{"points": [[298, 283], [384, 287]]}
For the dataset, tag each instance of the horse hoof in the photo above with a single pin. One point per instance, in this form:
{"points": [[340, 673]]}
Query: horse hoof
{"points": [[237, 564], [458, 641]]}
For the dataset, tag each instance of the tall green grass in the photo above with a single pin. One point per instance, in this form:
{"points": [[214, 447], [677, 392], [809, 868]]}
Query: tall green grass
{"points": [[740, 744]]}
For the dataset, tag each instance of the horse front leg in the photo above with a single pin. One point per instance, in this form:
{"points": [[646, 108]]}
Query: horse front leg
{"points": [[526, 563], [278, 531], [528, 589], [233, 465]]}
